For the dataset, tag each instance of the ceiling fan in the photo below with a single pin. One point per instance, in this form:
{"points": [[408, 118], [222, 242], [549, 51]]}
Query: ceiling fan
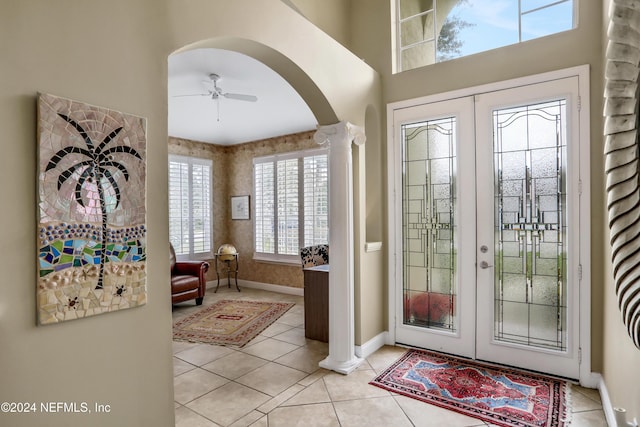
{"points": [[215, 92]]}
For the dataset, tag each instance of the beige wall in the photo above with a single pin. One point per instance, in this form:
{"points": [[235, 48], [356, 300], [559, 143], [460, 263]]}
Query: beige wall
{"points": [[331, 16], [233, 176], [112, 54]]}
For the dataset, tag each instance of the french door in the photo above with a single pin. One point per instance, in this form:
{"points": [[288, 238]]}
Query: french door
{"points": [[487, 226]]}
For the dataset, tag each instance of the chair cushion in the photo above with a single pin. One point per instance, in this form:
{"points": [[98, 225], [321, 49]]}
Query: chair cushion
{"points": [[184, 283], [314, 255]]}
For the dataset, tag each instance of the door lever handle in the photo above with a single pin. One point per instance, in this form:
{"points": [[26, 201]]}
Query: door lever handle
{"points": [[485, 265]]}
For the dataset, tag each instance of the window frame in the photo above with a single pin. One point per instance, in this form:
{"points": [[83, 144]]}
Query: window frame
{"points": [[190, 162], [300, 155], [397, 21]]}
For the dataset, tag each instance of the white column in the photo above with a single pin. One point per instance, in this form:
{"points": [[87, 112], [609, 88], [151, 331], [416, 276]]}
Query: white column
{"points": [[339, 137]]}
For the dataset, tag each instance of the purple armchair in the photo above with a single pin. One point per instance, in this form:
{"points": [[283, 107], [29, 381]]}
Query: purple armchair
{"points": [[187, 279]]}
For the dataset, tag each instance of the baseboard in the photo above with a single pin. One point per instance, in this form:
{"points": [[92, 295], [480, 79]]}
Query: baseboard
{"points": [[365, 350], [264, 286], [591, 380], [607, 407]]}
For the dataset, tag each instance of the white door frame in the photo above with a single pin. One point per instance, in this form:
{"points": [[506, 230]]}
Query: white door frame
{"points": [[587, 378]]}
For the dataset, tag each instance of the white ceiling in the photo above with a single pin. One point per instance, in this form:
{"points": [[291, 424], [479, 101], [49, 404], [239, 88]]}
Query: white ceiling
{"points": [[279, 109]]}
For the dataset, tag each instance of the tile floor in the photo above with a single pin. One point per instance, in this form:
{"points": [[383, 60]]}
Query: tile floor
{"points": [[275, 381]]}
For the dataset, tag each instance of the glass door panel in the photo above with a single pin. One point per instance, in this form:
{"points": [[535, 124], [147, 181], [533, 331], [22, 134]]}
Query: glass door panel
{"points": [[428, 224], [529, 148]]}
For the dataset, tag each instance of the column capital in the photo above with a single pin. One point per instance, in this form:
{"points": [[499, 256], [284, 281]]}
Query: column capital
{"points": [[338, 132]]}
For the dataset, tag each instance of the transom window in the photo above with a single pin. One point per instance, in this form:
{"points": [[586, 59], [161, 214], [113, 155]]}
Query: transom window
{"points": [[430, 31], [190, 214], [291, 204]]}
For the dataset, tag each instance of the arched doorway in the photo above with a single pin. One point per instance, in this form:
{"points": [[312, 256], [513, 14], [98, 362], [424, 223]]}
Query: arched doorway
{"points": [[318, 92]]}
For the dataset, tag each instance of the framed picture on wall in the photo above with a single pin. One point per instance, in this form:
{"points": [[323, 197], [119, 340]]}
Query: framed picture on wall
{"points": [[240, 207]]}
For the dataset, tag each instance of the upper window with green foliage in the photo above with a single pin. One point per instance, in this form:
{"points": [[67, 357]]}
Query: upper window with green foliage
{"points": [[430, 31]]}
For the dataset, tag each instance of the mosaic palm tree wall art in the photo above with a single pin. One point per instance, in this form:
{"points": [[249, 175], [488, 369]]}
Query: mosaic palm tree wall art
{"points": [[92, 210]]}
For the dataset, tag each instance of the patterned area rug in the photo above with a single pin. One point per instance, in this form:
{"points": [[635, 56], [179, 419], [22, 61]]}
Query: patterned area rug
{"points": [[500, 396], [229, 322]]}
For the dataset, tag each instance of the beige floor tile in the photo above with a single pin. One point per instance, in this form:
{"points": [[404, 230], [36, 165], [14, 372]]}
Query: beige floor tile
{"points": [[269, 349], [315, 393], [251, 419], [379, 411], [195, 383], [591, 393], [321, 414], [292, 336], [292, 319], [319, 346], [228, 403], [302, 359], [297, 309], [234, 365], [180, 366], [594, 418], [256, 340], [203, 354], [353, 386], [364, 366], [262, 422], [384, 357], [275, 329], [179, 346], [185, 417], [580, 402], [270, 405], [427, 415], [271, 378], [316, 376]]}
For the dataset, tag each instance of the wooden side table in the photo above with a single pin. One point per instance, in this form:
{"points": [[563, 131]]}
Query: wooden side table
{"points": [[229, 265], [316, 302]]}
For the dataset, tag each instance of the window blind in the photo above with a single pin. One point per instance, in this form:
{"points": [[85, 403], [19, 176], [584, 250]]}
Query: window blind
{"points": [[291, 203], [190, 214]]}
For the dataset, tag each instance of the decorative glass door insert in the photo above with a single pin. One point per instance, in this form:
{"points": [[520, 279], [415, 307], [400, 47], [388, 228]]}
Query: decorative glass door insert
{"points": [[530, 163], [429, 228]]}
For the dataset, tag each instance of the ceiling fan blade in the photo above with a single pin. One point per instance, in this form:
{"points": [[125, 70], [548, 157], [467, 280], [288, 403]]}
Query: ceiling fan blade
{"points": [[192, 94], [241, 97]]}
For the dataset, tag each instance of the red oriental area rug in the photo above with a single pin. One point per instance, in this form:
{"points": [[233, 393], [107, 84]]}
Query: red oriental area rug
{"points": [[229, 322], [497, 395]]}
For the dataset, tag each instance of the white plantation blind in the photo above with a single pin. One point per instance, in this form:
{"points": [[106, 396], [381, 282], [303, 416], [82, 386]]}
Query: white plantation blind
{"points": [[291, 203], [190, 215], [316, 200], [265, 216]]}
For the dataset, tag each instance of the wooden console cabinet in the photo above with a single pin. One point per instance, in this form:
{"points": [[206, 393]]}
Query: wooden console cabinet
{"points": [[316, 303]]}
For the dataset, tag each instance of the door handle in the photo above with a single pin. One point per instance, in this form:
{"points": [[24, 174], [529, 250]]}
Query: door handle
{"points": [[485, 265]]}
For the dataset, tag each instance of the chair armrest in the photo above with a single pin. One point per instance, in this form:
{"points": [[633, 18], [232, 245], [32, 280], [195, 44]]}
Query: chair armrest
{"points": [[190, 268]]}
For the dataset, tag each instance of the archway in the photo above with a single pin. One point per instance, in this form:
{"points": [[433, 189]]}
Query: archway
{"points": [[339, 135]]}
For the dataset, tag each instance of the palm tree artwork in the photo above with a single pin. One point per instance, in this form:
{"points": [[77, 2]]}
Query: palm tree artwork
{"points": [[91, 226], [96, 166]]}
